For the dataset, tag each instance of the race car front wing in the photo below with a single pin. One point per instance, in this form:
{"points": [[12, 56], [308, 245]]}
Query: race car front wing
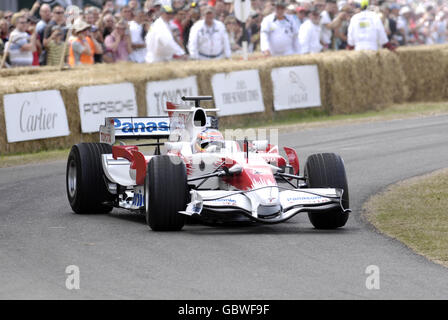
{"points": [[290, 202]]}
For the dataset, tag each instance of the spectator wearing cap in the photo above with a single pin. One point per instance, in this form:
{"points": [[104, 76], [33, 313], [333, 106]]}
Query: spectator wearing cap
{"points": [[228, 6], [118, 44], [403, 22], [160, 43], [328, 24], [309, 33], [82, 48], [366, 31], [153, 7], [22, 44], [208, 38], [279, 33], [137, 33]]}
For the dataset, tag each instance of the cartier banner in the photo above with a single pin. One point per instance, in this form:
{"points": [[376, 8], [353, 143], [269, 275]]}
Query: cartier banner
{"points": [[35, 115]]}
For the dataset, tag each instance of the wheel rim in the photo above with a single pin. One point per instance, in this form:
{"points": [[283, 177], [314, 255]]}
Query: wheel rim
{"points": [[71, 179]]}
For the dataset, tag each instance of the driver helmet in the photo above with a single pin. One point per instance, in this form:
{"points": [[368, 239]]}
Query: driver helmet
{"points": [[207, 138]]}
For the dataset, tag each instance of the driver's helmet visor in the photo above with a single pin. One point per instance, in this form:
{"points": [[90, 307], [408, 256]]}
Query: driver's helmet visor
{"points": [[218, 144]]}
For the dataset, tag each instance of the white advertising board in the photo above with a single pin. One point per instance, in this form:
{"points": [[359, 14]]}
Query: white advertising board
{"points": [[237, 92], [98, 102], [35, 115], [296, 87], [159, 92]]}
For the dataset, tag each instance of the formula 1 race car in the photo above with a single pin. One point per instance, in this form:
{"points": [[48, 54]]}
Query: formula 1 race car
{"points": [[201, 175]]}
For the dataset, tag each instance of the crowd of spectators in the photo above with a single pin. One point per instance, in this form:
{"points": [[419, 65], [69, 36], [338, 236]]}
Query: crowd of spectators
{"points": [[152, 30]]}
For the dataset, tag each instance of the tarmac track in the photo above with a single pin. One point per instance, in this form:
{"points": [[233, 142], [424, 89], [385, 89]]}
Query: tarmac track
{"points": [[119, 257]]}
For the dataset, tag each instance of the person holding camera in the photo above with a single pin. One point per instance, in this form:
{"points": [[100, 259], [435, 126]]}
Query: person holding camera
{"points": [[55, 47], [82, 47], [118, 44]]}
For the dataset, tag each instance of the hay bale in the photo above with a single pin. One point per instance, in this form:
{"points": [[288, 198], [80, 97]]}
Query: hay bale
{"points": [[350, 82], [426, 71]]}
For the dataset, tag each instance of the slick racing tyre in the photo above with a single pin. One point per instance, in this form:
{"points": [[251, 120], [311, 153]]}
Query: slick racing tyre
{"points": [[166, 193], [326, 170], [86, 188]]}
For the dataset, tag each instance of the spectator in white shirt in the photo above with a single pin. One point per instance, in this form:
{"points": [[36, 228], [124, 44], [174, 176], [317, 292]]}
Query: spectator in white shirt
{"points": [[160, 44], [136, 30], [279, 33], [328, 24], [22, 45], [309, 34], [366, 30], [208, 38]]}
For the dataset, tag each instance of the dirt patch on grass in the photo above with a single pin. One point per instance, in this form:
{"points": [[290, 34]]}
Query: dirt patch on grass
{"points": [[415, 212]]}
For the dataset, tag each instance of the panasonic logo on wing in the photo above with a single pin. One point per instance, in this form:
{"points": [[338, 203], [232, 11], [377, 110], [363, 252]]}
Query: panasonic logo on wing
{"points": [[303, 198], [140, 126], [225, 201]]}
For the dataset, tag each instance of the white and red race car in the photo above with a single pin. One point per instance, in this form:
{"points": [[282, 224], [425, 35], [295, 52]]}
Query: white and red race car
{"points": [[201, 175]]}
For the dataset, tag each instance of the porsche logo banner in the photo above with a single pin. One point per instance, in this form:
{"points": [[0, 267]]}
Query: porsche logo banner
{"points": [[99, 102]]}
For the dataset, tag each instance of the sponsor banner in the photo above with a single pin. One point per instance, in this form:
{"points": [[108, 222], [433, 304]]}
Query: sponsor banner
{"points": [[35, 115], [237, 92], [296, 87], [99, 102], [158, 93]]}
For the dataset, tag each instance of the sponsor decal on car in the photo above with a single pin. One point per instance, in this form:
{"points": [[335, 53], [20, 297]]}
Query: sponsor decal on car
{"points": [[223, 202], [142, 125], [311, 198]]}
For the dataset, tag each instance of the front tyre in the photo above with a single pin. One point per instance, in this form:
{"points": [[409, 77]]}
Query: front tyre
{"points": [[86, 188], [326, 170], [166, 193]]}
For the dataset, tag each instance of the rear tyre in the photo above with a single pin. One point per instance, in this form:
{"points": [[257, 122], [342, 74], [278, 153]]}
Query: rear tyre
{"points": [[86, 188], [166, 193], [326, 170]]}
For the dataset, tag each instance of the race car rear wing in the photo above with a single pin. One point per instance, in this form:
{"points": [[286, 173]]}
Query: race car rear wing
{"points": [[154, 127]]}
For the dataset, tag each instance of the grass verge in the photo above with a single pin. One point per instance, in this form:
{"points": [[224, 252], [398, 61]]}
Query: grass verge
{"points": [[31, 158], [415, 212], [286, 122]]}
